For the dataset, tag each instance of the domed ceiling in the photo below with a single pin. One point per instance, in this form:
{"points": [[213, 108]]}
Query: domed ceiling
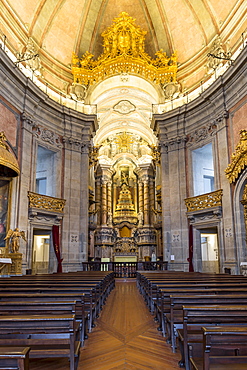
{"points": [[60, 27]]}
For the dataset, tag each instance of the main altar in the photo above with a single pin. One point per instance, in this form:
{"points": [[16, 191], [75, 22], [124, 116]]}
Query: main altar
{"points": [[125, 193]]}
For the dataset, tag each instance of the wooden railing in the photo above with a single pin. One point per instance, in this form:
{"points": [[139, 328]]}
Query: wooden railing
{"points": [[124, 269]]}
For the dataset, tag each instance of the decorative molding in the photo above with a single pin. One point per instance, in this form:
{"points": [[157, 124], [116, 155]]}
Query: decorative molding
{"points": [[171, 90], [45, 202], [28, 118], [29, 56], [156, 155], [239, 158], [93, 155], [47, 136], [76, 145], [205, 216], [204, 201], [228, 232], [78, 92], [175, 143], [218, 53], [124, 107], [124, 53], [175, 238], [201, 133]]}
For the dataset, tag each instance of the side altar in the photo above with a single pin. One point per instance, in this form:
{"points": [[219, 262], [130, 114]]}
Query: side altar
{"points": [[10, 258]]}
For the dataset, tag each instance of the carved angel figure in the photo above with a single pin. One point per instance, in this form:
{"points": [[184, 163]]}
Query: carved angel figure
{"points": [[14, 236]]}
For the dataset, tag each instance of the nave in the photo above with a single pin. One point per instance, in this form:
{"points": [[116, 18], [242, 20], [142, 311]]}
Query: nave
{"points": [[125, 337]]}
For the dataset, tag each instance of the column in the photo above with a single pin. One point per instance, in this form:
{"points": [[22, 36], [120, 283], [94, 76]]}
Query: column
{"points": [[109, 197], [98, 199], [146, 202], [152, 200], [140, 190], [104, 202], [109, 204]]}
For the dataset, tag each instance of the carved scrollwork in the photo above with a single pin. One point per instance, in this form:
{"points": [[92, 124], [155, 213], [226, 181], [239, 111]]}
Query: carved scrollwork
{"points": [[204, 201], [93, 155], [47, 136], [175, 143], [45, 202], [239, 158], [202, 133], [124, 53], [28, 119], [155, 154]]}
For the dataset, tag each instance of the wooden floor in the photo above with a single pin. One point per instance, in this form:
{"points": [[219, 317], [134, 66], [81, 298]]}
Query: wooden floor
{"points": [[125, 337]]}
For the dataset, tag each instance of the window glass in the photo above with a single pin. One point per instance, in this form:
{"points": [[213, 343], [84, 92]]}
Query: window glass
{"points": [[203, 170], [45, 172]]}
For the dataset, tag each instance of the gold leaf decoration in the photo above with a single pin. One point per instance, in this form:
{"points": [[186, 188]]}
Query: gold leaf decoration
{"points": [[204, 201], [45, 202], [239, 158], [124, 53]]}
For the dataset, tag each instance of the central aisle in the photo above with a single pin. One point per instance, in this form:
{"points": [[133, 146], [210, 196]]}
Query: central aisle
{"points": [[126, 335]]}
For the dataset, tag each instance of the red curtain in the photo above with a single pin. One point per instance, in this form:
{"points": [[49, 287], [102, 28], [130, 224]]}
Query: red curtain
{"points": [[190, 259], [55, 237]]}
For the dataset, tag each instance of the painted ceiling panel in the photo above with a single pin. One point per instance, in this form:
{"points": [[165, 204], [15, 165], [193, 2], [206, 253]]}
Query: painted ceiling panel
{"points": [[61, 27], [205, 18], [64, 41], [223, 8], [188, 35], [25, 10], [43, 18], [111, 10]]}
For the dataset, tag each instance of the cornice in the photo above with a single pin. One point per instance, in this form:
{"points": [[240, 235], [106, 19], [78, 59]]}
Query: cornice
{"points": [[213, 104], [26, 97]]}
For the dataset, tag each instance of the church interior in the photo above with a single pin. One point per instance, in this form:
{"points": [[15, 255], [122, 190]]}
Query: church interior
{"points": [[123, 147], [126, 132]]}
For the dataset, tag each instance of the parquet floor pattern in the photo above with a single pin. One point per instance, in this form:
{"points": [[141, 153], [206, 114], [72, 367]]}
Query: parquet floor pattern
{"points": [[125, 337]]}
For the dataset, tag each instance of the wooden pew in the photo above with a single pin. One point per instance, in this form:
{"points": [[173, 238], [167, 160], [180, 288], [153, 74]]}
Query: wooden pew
{"points": [[14, 358], [194, 318], [47, 336], [151, 286], [90, 299], [174, 319], [163, 298], [41, 298], [224, 348]]}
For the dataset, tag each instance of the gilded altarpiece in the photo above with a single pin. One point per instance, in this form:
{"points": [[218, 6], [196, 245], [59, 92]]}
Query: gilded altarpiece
{"points": [[125, 204]]}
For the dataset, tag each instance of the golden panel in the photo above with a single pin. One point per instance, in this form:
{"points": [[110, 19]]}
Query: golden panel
{"points": [[123, 44], [244, 202], [7, 159], [239, 158], [45, 202], [209, 200], [93, 155]]}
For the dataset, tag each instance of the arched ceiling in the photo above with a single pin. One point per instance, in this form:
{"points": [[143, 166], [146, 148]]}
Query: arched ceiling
{"points": [[61, 27]]}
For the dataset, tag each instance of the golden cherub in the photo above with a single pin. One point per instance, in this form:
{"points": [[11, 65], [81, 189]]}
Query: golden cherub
{"points": [[15, 236]]}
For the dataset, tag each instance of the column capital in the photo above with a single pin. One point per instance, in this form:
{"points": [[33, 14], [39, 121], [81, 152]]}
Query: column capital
{"points": [[28, 121]]}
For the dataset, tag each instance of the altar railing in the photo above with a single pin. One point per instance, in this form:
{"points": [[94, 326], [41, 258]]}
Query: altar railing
{"points": [[124, 269]]}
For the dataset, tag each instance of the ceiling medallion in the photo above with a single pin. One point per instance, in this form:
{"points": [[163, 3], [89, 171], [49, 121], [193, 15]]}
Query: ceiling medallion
{"points": [[123, 54], [124, 107]]}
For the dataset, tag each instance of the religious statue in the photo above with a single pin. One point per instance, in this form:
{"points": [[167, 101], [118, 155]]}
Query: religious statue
{"points": [[109, 218], [140, 218], [14, 236]]}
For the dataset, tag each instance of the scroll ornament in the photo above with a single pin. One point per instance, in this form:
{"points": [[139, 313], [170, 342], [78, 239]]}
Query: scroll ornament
{"points": [[239, 158]]}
